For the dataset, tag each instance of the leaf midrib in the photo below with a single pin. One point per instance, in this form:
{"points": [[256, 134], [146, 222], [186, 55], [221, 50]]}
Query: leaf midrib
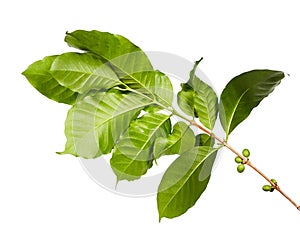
{"points": [[89, 74], [234, 111], [208, 112]]}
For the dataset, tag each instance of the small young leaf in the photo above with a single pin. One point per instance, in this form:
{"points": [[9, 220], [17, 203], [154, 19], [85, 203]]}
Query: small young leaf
{"points": [[198, 99], [204, 140], [125, 57], [184, 181], [39, 76], [132, 156], [95, 123], [83, 72], [243, 93], [185, 100], [181, 140]]}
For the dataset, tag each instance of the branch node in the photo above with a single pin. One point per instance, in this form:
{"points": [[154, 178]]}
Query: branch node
{"points": [[245, 161]]}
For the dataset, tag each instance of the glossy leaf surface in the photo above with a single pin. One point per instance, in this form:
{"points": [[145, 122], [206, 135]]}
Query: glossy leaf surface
{"points": [[184, 181]]}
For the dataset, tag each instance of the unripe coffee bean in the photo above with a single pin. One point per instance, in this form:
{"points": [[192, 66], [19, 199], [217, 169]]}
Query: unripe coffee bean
{"points": [[267, 187], [238, 159], [246, 153], [240, 168], [274, 181]]}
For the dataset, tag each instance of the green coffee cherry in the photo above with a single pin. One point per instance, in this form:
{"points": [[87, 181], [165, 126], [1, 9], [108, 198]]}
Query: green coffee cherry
{"points": [[274, 181], [240, 168], [238, 159], [267, 187], [246, 152]]}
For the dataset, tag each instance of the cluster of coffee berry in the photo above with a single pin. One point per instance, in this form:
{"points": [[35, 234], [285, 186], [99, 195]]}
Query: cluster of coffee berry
{"points": [[240, 161], [270, 187]]}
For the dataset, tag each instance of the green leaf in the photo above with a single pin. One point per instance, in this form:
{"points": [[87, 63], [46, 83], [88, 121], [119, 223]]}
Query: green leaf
{"points": [[39, 76], [83, 72], [204, 140], [243, 93], [198, 99], [132, 156], [184, 181], [181, 140], [95, 123], [123, 55]]}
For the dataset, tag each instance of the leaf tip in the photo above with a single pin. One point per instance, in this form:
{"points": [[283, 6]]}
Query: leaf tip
{"points": [[117, 182], [60, 153], [160, 216], [24, 72], [197, 62], [66, 152]]}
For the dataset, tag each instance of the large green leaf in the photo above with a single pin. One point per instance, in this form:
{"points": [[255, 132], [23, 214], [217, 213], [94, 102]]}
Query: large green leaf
{"points": [[123, 55], [184, 181], [243, 93], [39, 76], [83, 72], [132, 156], [181, 140], [95, 123], [198, 99]]}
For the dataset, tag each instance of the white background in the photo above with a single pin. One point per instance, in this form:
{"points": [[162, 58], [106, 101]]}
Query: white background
{"points": [[46, 199]]}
